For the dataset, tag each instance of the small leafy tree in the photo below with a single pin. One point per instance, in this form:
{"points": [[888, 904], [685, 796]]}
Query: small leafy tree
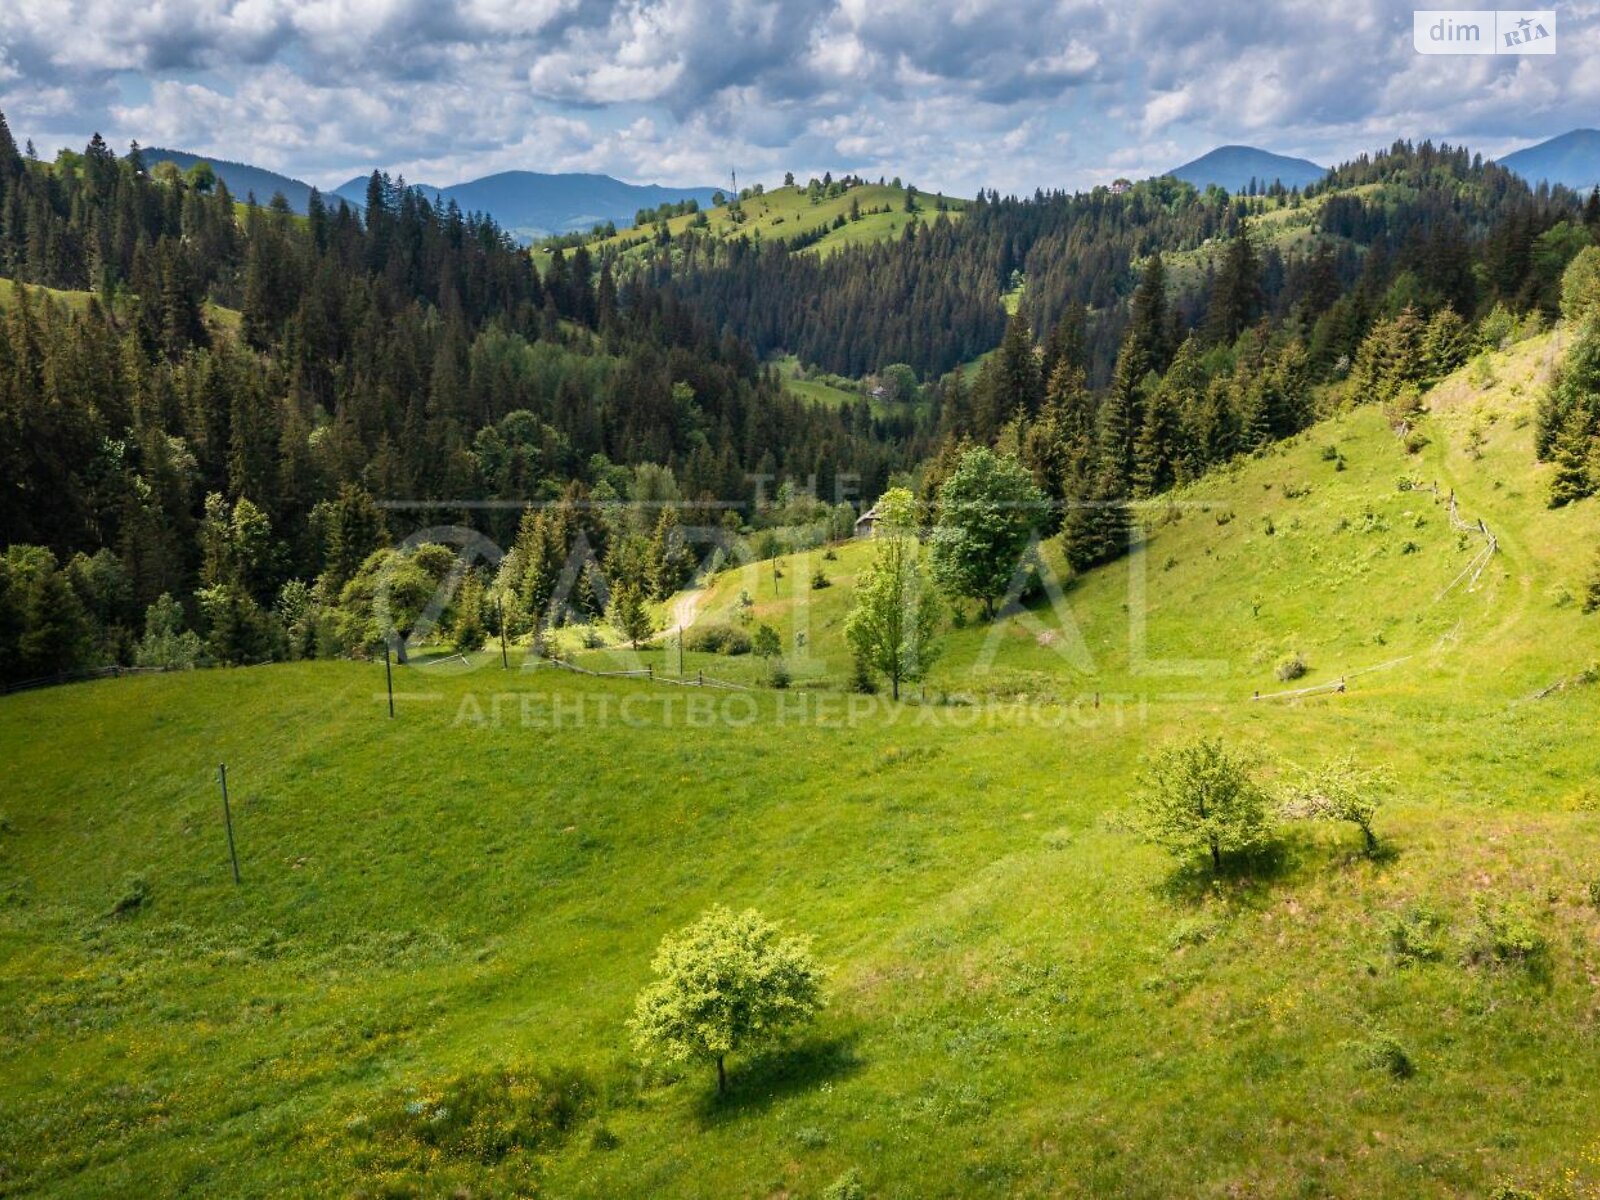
{"points": [[988, 511], [631, 614], [765, 642], [1340, 790], [394, 594], [166, 643], [1199, 797], [730, 982], [892, 628]]}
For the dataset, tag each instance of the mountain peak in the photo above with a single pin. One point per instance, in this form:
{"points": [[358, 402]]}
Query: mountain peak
{"points": [[1232, 168], [1571, 158]]}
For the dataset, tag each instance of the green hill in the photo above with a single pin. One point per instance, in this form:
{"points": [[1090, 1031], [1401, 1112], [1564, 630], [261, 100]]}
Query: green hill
{"points": [[422, 983], [788, 213]]}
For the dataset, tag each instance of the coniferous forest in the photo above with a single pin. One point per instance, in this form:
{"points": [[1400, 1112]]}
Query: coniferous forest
{"points": [[214, 412]]}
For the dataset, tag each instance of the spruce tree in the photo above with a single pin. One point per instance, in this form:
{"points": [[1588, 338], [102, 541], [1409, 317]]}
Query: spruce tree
{"points": [[1148, 318], [1236, 294]]}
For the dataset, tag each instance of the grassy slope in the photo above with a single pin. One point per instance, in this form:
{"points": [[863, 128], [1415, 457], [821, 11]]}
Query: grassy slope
{"points": [[222, 319], [783, 212], [1026, 1000]]}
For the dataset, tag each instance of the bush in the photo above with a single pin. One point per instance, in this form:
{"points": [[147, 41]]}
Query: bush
{"points": [[1382, 1051], [484, 1117], [820, 581], [132, 896], [1505, 936], [847, 1187], [1415, 936], [1291, 667], [717, 639], [1340, 790], [811, 1137], [779, 676]]}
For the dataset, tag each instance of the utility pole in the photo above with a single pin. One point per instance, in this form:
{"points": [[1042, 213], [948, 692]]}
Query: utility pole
{"points": [[500, 619]]}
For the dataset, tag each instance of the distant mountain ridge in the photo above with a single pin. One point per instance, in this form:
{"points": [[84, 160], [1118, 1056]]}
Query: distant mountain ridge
{"points": [[1233, 167], [1572, 158], [527, 204], [530, 204]]}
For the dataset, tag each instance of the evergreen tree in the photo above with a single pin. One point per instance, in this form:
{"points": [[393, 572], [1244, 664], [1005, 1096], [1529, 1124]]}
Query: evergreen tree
{"points": [[1236, 293], [1149, 321]]}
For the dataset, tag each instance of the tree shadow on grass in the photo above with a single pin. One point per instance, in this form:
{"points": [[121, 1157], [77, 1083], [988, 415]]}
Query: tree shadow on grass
{"points": [[1295, 855], [1244, 880], [755, 1083]]}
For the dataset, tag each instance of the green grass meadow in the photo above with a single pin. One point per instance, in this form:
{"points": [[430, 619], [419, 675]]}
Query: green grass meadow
{"points": [[456, 908]]}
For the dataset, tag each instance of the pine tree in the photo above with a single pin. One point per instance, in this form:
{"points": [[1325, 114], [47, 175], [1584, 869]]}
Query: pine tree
{"points": [[1148, 317], [1122, 412], [1573, 456], [1236, 294]]}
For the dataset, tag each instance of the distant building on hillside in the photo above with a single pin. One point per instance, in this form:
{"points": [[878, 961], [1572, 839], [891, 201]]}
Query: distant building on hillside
{"points": [[867, 523], [1118, 186]]}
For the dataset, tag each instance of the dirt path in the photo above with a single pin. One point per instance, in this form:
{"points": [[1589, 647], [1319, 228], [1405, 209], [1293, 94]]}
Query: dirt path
{"points": [[687, 606]]}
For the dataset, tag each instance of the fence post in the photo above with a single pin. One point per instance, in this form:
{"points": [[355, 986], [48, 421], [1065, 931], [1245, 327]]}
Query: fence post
{"points": [[388, 677], [702, 677], [227, 820], [500, 619]]}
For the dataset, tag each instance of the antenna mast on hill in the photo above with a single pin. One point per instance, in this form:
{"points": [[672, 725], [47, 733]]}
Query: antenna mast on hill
{"points": [[734, 175]]}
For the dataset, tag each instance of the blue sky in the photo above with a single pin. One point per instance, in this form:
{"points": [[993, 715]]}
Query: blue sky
{"points": [[949, 94]]}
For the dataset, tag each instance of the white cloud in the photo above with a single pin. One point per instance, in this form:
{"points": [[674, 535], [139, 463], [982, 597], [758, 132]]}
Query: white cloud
{"points": [[951, 93]]}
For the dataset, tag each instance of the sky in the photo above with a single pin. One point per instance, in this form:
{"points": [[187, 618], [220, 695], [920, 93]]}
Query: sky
{"points": [[951, 95]]}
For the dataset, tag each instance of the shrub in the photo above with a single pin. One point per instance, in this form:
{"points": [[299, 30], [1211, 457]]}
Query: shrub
{"points": [[1415, 936], [1339, 790], [716, 638], [847, 1187], [1382, 1051], [811, 1137], [779, 676], [1505, 936], [132, 896], [820, 581], [1199, 798], [1291, 667], [483, 1116]]}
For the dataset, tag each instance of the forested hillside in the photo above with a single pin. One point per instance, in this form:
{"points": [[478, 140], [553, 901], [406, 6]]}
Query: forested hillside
{"points": [[212, 441], [211, 423]]}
